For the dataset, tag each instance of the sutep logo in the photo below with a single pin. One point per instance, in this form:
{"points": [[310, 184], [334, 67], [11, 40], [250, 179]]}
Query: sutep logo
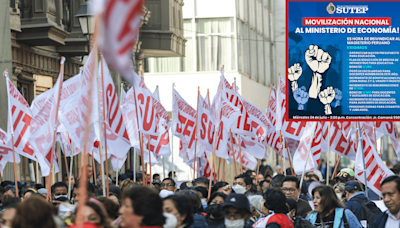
{"points": [[347, 9]]}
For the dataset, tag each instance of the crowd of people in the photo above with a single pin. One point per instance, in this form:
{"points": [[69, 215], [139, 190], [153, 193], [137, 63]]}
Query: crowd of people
{"points": [[266, 199]]}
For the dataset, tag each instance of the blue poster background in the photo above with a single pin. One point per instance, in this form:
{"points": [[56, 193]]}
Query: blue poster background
{"points": [[337, 76]]}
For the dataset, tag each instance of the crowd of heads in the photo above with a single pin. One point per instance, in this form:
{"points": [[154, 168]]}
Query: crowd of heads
{"points": [[168, 203]]}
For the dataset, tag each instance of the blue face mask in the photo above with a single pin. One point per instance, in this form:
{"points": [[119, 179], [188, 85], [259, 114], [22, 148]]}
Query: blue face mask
{"points": [[204, 203]]}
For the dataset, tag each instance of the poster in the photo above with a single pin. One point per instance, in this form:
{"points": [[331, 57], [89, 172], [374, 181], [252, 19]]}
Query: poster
{"points": [[343, 60]]}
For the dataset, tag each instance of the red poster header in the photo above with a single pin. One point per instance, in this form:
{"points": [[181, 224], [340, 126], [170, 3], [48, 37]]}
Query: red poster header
{"points": [[330, 21]]}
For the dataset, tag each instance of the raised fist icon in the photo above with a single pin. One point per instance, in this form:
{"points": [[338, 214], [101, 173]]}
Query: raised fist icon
{"points": [[338, 98], [301, 97], [294, 73], [317, 59], [326, 97]]}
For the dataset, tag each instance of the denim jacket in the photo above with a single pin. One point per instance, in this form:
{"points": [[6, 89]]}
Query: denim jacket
{"points": [[338, 221]]}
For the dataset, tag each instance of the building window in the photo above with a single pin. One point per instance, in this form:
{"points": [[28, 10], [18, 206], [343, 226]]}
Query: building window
{"points": [[175, 64], [215, 44]]}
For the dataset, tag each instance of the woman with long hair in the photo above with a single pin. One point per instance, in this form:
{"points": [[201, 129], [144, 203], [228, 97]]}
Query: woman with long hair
{"points": [[329, 210], [34, 212], [178, 211], [94, 212]]}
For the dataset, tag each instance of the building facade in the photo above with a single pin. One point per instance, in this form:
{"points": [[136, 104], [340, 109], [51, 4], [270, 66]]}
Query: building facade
{"points": [[38, 32], [237, 34]]}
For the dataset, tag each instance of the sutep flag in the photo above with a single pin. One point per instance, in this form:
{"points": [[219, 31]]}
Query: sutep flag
{"points": [[119, 30]]}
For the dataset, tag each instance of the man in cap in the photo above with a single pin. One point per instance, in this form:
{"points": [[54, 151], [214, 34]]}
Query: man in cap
{"points": [[356, 199], [343, 177], [236, 211]]}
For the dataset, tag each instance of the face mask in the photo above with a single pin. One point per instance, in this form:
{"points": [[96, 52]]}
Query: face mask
{"points": [[239, 189], [170, 220], [234, 224], [339, 196], [56, 197], [290, 212], [216, 210], [204, 203]]}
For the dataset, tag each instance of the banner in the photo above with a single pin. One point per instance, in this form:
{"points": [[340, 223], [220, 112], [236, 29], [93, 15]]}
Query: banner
{"points": [[128, 110], [119, 29], [375, 169], [205, 129], [388, 128], [44, 125]]}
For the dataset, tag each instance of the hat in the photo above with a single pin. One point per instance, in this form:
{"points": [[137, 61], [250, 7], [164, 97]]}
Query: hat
{"points": [[9, 187], [238, 201], [156, 181], [165, 193], [42, 191], [349, 171], [185, 185], [343, 176], [352, 185], [256, 201]]}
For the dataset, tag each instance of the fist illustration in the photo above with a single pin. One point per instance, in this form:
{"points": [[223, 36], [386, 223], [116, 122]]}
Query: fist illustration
{"points": [[317, 59], [338, 97], [301, 97], [294, 73], [326, 97]]}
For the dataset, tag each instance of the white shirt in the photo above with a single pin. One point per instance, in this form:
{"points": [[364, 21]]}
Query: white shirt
{"points": [[392, 221]]}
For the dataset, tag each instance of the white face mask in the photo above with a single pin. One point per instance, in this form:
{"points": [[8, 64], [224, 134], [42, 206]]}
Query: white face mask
{"points": [[239, 189], [170, 220], [234, 224], [56, 197], [339, 196], [204, 203]]}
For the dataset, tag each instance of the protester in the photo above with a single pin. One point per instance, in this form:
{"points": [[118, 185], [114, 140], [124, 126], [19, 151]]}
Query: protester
{"points": [[201, 181], [260, 178], [115, 194], [330, 211], [94, 212], [66, 180], [292, 207], [8, 215], [356, 201], [291, 189], [203, 195], [215, 214], [156, 176], [390, 188], [243, 184], [179, 207], [8, 191], [141, 207], [168, 184], [264, 185], [194, 200], [236, 211], [276, 181], [89, 190], [221, 186], [339, 190], [34, 212], [170, 175], [110, 206], [255, 207], [28, 193], [59, 189], [126, 184]]}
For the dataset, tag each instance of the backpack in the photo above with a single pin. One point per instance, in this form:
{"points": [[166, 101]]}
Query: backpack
{"points": [[370, 211], [300, 222]]}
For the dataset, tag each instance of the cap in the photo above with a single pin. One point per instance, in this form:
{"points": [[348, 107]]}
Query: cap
{"points": [[42, 191], [165, 193], [185, 185], [156, 181], [352, 185], [238, 201], [9, 187], [343, 176], [349, 171], [313, 185], [122, 177]]}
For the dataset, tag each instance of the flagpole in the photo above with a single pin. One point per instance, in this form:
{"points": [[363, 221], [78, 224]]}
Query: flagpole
{"points": [[219, 166], [258, 169], [223, 169], [327, 153], [65, 160], [94, 170], [148, 148], [266, 113], [336, 166], [101, 138], [55, 128], [289, 157], [240, 148], [142, 158], [215, 139], [105, 128], [195, 142], [308, 156], [70, 169], [15, 167], [281, 153], [360, 140]]}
